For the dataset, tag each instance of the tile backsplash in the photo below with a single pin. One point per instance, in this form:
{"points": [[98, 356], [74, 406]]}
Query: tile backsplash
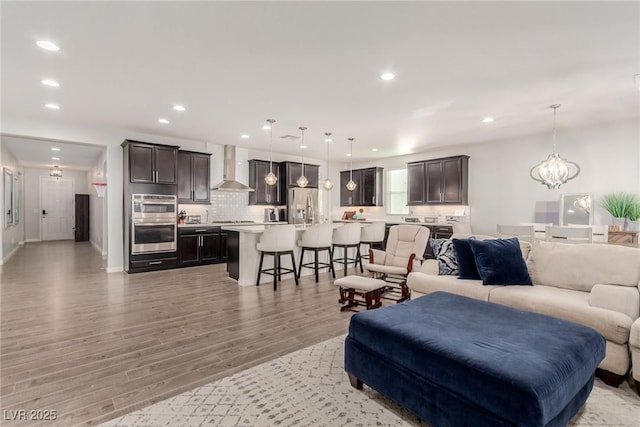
{"points": [[226, 205]]}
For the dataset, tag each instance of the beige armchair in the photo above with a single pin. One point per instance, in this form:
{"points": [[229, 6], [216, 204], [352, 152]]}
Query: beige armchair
{"points": [[405, 248]]}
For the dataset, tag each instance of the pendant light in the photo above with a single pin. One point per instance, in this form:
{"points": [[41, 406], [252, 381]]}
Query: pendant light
{"points": [[302, 181], [554, 171], [351, 185], [328, 185], [271, 178]]}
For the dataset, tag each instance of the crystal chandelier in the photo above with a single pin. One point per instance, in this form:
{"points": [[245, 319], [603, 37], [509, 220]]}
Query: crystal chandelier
{"points": [[351, 185], [554, 171], [302, 181], [328, 185], [270, 179], [55, 171]]}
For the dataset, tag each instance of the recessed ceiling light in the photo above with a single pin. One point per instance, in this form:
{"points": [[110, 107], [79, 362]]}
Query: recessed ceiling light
{"points": [[239, 163], [46, 44], [303, 146], [179, 108], [388, 76], [244, 136], [328, 140], [488, 120], [266, 127], [51, 83], [348, 154], [55, 149], [163, 121], [52, 106], [55, 158]]}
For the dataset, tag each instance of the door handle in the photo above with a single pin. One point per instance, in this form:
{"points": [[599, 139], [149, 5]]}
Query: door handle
{"points": [[44, 211]]}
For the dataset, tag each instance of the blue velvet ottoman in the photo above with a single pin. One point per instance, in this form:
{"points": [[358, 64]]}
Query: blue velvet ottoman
{"points": [[456, 361]]}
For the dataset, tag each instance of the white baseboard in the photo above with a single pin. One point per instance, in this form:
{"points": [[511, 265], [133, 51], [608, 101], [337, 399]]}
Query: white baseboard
{"points": [[115, 269], [98, 248], [12, 253], [33, 240]]}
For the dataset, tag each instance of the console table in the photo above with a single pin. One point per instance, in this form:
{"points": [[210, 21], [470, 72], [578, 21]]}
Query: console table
{"points": [[629, 238]]}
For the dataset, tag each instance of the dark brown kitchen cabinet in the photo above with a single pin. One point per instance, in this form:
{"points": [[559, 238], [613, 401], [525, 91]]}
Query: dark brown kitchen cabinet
{"points": [[193, 177], [202, 245], [293, 171], [415, 184], [369, 187], [438, 181], [264, 194], [151, 163]]}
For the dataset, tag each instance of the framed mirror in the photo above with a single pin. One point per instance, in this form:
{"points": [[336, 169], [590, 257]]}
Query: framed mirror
{"points": [[576, 209], [7, 207]]}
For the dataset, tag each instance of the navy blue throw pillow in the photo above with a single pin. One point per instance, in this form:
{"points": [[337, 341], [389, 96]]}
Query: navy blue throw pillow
{"points": [[500, 262], [467, 268]]}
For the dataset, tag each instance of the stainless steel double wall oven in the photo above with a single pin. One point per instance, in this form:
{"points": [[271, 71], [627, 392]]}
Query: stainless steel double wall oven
{"points": [[153, 223]]}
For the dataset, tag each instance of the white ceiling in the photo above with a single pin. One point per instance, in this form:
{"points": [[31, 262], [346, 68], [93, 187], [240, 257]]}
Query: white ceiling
{"points": [[234, 64], [39, 153]]}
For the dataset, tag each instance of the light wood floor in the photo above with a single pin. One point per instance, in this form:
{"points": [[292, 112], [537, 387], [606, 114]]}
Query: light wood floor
{"points": [[93, 346]]}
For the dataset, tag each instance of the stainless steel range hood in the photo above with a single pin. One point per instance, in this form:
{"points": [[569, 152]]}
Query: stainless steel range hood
{"points": [[229, 182]]}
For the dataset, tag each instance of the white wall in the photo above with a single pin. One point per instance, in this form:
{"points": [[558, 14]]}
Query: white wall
{"points": [[97, 205], [14, 234], [500, 189], [32, 205]]}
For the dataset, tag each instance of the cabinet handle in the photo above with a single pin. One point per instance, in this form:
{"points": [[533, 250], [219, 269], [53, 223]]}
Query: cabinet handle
{"points": [[373, 200], [200, 231], [155, 262]]}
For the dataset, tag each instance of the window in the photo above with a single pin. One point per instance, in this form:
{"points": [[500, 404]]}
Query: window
{"points": [[397, 192]]}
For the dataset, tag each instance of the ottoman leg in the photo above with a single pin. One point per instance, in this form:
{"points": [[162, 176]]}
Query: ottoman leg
{"points": [[355, 382]]}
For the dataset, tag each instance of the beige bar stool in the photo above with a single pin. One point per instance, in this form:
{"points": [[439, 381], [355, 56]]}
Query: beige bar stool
{"points": [[316, 239], [277, 241], [373, 236], [345, 237]]}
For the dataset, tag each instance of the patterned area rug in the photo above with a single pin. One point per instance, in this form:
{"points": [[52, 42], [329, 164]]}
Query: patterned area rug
{"points": [[310, 388]]}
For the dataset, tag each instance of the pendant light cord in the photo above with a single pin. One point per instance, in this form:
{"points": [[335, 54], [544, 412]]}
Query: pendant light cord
{"points": [[351, 159], [271, 122], [302, 129], [555, 108]]}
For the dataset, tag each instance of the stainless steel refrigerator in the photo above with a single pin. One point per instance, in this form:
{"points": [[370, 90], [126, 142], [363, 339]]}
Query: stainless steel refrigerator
{"points": [[302, 206]]}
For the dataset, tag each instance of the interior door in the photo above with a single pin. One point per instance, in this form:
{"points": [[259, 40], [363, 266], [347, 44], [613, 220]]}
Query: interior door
{"points": [[57, 208]]}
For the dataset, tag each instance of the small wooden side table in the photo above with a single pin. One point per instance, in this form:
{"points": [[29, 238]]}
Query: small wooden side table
{"points": [[624, 237]]}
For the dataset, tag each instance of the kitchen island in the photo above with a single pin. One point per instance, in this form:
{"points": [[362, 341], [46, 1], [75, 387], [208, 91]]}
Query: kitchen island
{"points": [[243, 257]]}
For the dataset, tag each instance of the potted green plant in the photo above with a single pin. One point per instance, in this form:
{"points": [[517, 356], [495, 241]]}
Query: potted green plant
{"points": [[618, 205], [633, 217]]}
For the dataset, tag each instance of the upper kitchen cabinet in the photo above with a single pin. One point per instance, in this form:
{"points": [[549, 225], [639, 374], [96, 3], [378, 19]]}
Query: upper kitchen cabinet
{"points": [[438, 181], [369, 187], [293, 171], [152, 163], [193, 177], [264, 194]]}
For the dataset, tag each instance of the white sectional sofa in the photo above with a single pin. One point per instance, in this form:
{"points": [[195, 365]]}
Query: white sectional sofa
{"points": [[597, 285]]}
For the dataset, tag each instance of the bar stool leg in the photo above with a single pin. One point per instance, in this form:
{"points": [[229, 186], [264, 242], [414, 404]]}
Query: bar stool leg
{"points": [[293, 262], [276, 270], [359, 258], [301, 256], [331, 268], [344, 259], [260, 268], [315, 264]]}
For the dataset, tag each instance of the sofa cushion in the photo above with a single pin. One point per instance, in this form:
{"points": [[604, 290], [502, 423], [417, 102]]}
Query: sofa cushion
{"points": [[624, 299], [467, 268], [500, 262], [580, 267], [566, 304], [427, 283], [446, 256]]}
